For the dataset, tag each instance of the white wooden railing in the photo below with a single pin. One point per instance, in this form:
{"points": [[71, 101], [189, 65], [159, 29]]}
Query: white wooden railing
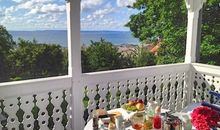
{"points": [[47, 103], [36, 104]]}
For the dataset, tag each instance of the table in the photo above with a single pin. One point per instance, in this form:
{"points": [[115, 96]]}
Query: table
{"points": [[124, 113]]}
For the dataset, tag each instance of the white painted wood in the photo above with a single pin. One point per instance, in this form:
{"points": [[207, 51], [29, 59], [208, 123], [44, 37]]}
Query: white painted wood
{"points": [[164, 102], [92, 103], [73, 33], [172, 91], [33, 86], [11, 109], [27, 105], [190, 56], [188, 86], [179, 91], [132, 86], [132, 78], [74, 51], [113, 88], [118, 80], [43, 116], [150, 90], [187, 89], [68, 98], [123, 89], [1, 118], [131, 73], [102, 92], [56, 100], [207, 69], [141, 86], [207, 77], [193, 7]]}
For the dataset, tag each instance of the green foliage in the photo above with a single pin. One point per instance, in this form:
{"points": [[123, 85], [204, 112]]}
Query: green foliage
{"points": [[6, 44], [164, 20], [65, 61], [142, 57], [100, 56], [167, 20], [210, 48], [32, 60]]}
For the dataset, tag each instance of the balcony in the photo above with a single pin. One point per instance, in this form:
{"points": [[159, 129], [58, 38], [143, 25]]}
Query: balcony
{"points": [[66, 102], [48, 103]]}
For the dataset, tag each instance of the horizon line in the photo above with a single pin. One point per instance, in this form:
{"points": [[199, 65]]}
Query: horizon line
{"points": [[66, 30]]}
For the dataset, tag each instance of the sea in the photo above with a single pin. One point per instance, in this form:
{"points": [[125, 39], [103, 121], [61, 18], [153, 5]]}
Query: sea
{"points": [[60, 37]]}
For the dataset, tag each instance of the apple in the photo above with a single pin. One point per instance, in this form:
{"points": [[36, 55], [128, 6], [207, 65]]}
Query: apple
{"points": [[140, 101], [140, 106]]}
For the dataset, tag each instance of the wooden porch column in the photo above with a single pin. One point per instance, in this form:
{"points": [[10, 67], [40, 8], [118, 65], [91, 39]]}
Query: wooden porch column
{"points": [[193, 6], [74, 60]]}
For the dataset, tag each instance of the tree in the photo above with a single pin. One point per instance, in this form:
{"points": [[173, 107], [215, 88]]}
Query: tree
{"points": [[100, 56], [210, 47], [6, 44], [143, 57], [32, 60], [167, 20]]}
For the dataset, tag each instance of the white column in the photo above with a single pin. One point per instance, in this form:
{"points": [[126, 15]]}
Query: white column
{"points": [[73, 33], [74, 60], [193, 7]]}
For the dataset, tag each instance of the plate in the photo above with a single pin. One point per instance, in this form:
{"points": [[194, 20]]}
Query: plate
{"points": [[130, 108]]}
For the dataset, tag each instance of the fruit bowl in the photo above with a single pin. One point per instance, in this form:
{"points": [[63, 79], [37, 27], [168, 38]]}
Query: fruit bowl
{"points": [[134, 106]]}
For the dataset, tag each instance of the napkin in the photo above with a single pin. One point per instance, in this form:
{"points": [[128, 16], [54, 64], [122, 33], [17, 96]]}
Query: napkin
{"points": [[213, 106]]}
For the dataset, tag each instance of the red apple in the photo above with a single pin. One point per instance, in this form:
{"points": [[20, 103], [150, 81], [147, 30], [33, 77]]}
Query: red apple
{"points": [[140, 101]]}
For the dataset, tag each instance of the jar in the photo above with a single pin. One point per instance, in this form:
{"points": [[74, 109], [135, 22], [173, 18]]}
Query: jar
{"points": [[171, 122]]}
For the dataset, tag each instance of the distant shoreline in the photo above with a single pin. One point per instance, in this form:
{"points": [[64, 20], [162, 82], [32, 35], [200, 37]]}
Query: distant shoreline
{"points": [[60, 36], [66, 30]]}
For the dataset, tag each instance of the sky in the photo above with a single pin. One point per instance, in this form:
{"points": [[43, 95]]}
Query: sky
{"points": [[51, 14]]}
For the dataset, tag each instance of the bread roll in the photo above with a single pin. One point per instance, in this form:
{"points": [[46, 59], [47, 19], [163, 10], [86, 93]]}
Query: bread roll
{"points": [[101, 112]]}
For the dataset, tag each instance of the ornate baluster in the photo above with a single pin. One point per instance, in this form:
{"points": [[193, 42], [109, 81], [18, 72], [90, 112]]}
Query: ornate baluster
{"points": [[206, 86], [172, 92], [141, 86], [56, 100], [165, 92], [67, 112], [179, 79], [198, 88], [103, 92], [186, 97], [150, 90], [113, 88], [27, 105], [92, 103], [157, 83], [123, 89], [11, 108], [1, 126], [43, 116]]}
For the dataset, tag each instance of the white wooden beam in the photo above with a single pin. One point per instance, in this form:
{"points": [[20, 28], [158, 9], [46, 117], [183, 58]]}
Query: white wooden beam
{"points": [[74, 60], [193, 7], [73, 32]]}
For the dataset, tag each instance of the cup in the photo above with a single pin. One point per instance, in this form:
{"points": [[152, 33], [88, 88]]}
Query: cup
{"points": [[118, 121]]}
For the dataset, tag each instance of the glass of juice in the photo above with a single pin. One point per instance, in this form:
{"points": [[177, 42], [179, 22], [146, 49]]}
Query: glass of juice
{"points": [[137, 121]]}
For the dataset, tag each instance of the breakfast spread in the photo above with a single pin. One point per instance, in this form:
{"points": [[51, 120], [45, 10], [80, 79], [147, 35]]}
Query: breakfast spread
{"points": [[140, 117]]}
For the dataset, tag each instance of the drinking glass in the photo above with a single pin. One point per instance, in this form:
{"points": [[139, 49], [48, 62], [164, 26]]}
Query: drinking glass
{"points": [[137, 121]]}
